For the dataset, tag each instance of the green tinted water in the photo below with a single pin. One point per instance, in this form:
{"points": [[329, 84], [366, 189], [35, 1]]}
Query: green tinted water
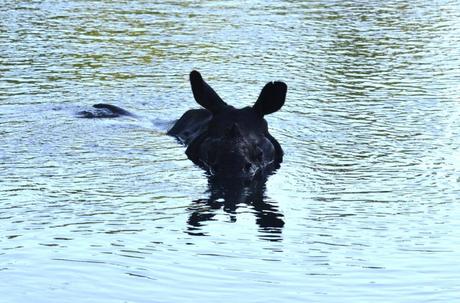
{"points": [[102, 210]]}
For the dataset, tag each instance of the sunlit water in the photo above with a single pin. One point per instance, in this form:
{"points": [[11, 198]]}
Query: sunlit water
{"points": [[364, 207]]}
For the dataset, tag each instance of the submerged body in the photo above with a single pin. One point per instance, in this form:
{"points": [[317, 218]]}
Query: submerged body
{"points": [[225, 141], [103, 110], [229, 142]]}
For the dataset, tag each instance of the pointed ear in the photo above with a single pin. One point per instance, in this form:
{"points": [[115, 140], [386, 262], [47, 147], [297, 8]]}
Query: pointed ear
{"points": [[204, 94], [271, 98]]}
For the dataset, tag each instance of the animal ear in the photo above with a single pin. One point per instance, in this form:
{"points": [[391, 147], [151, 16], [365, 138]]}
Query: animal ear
{"points": [[204, 94], [271, 98]]}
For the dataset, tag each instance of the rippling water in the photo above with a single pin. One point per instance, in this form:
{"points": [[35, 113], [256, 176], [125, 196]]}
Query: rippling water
{"points": [[363, 208]]}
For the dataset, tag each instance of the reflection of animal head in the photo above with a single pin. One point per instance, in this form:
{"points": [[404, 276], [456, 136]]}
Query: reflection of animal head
{"points": [[236, 142], [228, 195]]}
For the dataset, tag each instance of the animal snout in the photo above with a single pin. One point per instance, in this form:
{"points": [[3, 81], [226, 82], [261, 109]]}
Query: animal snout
{"points": [[247, 167], [232, 169]]}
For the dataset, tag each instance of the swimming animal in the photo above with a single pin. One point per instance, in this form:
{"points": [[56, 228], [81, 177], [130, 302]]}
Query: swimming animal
{"points": [[228, 142]]}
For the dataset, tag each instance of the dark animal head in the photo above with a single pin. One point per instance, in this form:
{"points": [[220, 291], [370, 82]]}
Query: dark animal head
{"points": [[237, 142]]}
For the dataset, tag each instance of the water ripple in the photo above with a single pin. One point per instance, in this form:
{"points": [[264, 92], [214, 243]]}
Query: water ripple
{"points": [[363, 207]]}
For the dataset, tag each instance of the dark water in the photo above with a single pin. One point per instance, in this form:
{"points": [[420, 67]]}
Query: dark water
{"points": [[364, 207]]}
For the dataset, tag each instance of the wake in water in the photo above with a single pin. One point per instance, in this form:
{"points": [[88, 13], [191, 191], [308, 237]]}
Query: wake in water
{"points": [[103, 111]]}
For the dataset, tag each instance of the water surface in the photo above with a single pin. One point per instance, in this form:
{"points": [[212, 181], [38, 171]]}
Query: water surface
{"points": [[364, 206]]}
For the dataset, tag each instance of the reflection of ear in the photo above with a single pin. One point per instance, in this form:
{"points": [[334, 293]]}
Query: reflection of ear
{"points": [[271, 98], [204, 94]]}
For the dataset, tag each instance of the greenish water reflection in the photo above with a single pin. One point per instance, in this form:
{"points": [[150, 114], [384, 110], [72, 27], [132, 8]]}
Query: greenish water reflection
{"points": [[363, 208]]}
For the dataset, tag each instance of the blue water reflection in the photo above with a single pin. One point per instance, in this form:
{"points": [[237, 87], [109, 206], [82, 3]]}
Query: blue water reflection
{"points": [[363, 208]]}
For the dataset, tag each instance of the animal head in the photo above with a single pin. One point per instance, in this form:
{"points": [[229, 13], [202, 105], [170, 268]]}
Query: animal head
{"points": [[237, 142]]}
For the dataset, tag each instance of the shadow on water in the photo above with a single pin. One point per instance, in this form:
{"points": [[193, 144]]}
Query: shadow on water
{"points": [[229, 194]]}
